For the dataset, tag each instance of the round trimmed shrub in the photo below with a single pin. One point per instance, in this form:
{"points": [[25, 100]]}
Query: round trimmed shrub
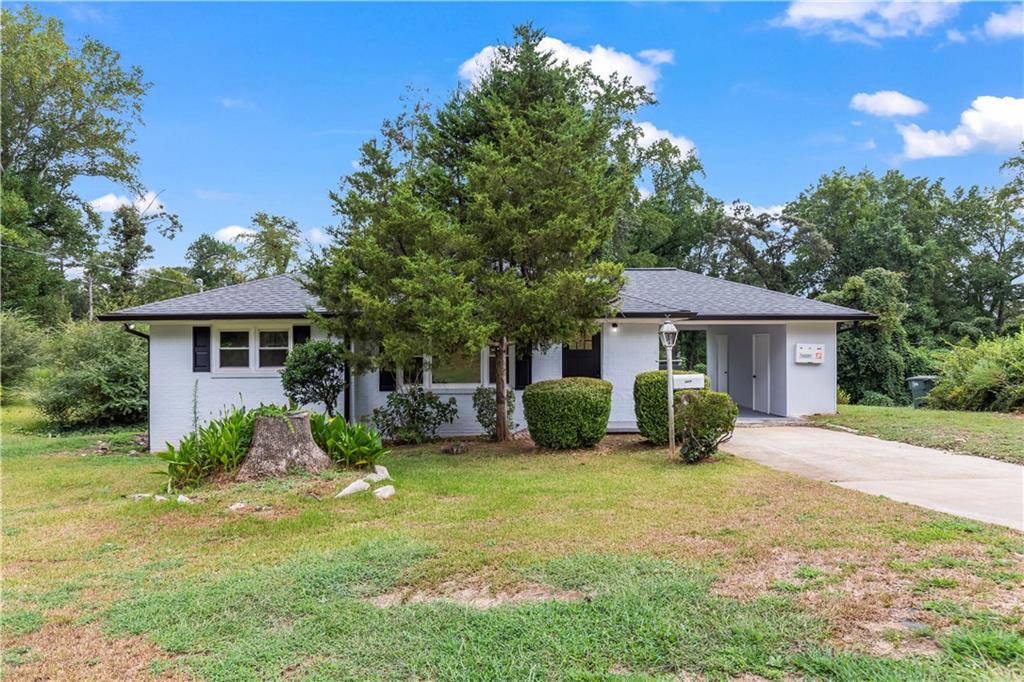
{"points": [[876, 399], [704, 420], [650, 405], [567, 413]]}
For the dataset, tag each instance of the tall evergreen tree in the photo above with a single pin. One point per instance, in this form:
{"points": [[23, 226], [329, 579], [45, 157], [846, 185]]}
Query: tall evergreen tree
{"points": [[477, 225]]}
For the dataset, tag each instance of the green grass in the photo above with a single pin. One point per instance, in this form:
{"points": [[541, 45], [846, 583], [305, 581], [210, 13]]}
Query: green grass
{"points": [[986, 434], [654, 547]]}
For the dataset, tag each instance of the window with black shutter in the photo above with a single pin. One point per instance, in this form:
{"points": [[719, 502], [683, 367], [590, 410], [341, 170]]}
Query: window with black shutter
{"points": [[524, 366], [200, 349], [385, 380], [301, 333]]}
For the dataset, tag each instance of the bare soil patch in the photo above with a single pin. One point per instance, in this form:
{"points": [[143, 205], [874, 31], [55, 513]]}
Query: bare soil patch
{"points": [[64, 650], [872, 606], [475, 593]]}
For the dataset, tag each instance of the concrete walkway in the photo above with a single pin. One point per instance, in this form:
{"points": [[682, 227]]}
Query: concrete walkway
{"points": [[974, 487]]}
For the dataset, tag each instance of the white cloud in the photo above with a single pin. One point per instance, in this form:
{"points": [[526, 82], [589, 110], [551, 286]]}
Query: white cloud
{"points": [[994, 123], [643, 69], [887, 103], [108, 203], [232, 233], [867, 22], [318, 236], [870, 144], [955, 36], [236, 103], [649, 134], [1006, 25]]}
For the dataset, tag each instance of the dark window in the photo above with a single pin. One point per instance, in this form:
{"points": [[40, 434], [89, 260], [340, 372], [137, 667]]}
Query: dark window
{"points": [[234, 349], [301, 333], [273, 348]]}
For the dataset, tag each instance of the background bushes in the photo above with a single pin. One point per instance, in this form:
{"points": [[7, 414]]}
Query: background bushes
{"points": [[650, 404], [567, 413], [413, 415], [704, 420], [485, 404], [21, 343], [987, 376], [98, 375]]}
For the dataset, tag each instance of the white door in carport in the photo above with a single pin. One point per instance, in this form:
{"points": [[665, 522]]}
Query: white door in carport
{"points": [[722, 363], [762, 374]]}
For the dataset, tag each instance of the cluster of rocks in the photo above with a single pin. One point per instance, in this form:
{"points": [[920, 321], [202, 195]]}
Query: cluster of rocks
{"points": [[139, 497], [380, 473]]}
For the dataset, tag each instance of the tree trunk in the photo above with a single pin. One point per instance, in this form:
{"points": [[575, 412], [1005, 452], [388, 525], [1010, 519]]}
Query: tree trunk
{"points": [[501, 390], [280, 445]]}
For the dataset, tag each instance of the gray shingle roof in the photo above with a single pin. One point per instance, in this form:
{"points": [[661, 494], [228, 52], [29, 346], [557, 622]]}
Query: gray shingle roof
{"points": [[649, 292], [279, 296]]}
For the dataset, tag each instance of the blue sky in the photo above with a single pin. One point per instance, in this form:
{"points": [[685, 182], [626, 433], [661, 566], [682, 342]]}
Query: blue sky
{"points": [[260, 106]]}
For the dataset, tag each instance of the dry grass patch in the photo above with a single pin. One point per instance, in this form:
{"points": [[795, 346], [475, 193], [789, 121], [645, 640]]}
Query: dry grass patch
{"points": [[476, 593]]}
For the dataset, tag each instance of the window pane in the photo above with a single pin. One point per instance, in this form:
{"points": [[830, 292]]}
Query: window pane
{"points": [[460, 369], [412, 375], [585, 343], [273, 358], [234, 357], [234, 339], [274, 339]]}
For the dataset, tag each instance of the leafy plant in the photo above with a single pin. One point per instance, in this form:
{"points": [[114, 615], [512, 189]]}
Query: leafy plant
{"points": [[704, 420], [413, 415], [876, 399], [485, 404], [100, 376], [20, 341], [347, 444], [567, 413], [987, 376], [314, 372], [650, 404], [842, 396]]}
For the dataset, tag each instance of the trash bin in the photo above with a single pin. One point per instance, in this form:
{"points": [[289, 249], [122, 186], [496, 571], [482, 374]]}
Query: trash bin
{"points": [[919, 388]]}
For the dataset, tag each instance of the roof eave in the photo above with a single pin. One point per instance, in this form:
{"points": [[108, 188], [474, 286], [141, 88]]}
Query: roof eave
{"points": [[145, 317], [753, 317], [661, 314]]}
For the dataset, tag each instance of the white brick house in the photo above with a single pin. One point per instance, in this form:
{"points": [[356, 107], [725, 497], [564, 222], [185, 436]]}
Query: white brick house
{"points": [[775, 354]]}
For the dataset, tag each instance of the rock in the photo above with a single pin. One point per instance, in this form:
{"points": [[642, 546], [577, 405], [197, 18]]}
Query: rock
{"points": [[454, 448], [382, 471], [385, 492], [237, 506], [159, 498], [373, 478], [353, 488], [185, 500], [137, 497]]}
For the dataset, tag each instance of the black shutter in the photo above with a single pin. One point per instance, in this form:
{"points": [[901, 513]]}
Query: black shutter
{"points": [[301, 334], [524, 367], [200, 349], [385, 379]]}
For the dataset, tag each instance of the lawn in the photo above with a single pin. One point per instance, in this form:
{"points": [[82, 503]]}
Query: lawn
{"points": [[988, 434], [502, 563]]}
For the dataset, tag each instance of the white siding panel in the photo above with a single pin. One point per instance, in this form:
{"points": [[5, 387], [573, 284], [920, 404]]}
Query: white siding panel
{"points": [[811, 388], [626, 351], [174, 386]]}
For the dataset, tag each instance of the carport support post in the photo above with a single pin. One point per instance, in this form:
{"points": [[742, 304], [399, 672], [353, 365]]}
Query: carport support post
{"points": [[668, 334]]}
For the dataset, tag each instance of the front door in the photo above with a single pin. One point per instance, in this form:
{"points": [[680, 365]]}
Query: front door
{"points": [[762, 374], [582, 358], [722, 363]]}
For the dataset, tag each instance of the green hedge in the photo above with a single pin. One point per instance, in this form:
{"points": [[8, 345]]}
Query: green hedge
{"points": [[567, 413], [650, 405], [704, 420]]}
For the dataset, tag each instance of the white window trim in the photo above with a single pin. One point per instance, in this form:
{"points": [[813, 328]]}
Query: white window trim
{"points": [[484, 364], [253, 329]]}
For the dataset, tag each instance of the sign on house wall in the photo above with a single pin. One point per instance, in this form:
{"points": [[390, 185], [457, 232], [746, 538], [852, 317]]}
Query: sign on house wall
{"points": [[810, 353]]}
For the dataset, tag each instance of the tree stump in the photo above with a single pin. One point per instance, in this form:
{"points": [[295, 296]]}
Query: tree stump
{"points": [[280, 445]]}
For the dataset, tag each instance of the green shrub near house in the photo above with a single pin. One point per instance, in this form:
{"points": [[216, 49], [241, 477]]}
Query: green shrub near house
{"points": [[987, 376], [567, 413], [704, 420], [651, 406]]}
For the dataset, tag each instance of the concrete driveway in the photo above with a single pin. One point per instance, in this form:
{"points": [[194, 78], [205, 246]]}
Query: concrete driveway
{"points": [[974, 487]]}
